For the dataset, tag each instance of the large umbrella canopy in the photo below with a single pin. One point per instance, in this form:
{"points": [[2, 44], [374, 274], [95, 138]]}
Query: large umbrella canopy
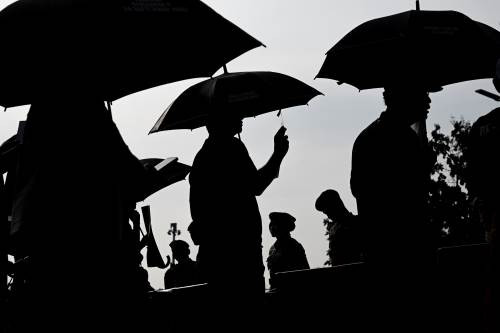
{"points": [[10, 148], [434, 48], [110, 48], [8, 152], [247, 93], [169, 171]]}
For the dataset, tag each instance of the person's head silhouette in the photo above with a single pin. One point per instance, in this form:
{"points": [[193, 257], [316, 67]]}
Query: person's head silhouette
{"points": [[195, 232], [180, 250], [330, 204], [496, 83], [224, 122], [281, 224], [409, 103]]}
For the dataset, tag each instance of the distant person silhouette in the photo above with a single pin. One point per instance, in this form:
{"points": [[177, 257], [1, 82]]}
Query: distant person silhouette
{"points": [[286, 254], [183, 273], [224, 185], [345, 236], [389, 179]]}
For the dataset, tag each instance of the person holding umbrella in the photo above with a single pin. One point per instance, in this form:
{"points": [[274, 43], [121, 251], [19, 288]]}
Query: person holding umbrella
{"points": [[390, 171], [74, 189], [224, 185], [389, 176]]}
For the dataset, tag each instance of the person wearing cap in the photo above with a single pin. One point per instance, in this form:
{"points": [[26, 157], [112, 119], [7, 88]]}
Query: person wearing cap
{"points": [[183, 273], [286, 254], [344, 234]]}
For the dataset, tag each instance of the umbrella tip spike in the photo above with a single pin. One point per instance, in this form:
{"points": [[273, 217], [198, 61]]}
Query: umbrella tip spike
{"points": [[417, 5]]}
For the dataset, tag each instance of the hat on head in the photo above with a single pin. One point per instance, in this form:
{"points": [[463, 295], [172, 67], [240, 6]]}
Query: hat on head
{"points": [[282, 220]]}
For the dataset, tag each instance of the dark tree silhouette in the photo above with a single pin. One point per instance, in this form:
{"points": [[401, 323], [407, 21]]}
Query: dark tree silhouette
{"points": [[450, 206]]}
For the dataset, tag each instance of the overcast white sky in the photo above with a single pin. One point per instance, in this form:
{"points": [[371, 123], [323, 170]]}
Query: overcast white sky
{"points": [[297, 35]]}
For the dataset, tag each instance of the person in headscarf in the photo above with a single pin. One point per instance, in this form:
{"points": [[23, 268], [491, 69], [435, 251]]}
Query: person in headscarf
{"points": [[286, 254]]}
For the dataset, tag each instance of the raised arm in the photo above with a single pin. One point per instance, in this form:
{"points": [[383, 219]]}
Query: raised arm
{"points": [[270, 170]]}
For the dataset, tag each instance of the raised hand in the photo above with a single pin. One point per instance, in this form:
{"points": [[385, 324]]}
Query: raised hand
{"points": [[281, 143]]}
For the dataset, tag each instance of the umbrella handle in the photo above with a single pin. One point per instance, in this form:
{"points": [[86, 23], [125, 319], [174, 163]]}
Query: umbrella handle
{"points": [[282, 118]]}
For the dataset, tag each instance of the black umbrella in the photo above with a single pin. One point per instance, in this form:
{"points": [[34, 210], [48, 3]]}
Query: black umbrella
{"points": [[10, 148], [431, 47], [110, 48], [248, 93], [8, 153], [169, 171]]}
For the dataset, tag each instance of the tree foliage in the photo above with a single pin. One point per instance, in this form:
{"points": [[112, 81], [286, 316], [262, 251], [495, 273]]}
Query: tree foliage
{"points": [[450, 208]]}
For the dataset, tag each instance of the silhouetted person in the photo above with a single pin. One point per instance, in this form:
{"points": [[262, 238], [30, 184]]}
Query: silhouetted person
{"points": [[286, 254], [75, 183], [224, 185], [483, 157], [183, 273], [345, 234], [196, 232], [389, 179]]}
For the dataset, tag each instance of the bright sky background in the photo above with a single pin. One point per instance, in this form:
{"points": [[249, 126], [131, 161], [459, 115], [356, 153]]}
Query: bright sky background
{"points": [[297, 35]]}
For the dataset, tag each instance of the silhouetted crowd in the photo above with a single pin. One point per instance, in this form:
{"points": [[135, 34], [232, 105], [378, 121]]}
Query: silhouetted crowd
{"points": [[88, 261], [68, 206]]}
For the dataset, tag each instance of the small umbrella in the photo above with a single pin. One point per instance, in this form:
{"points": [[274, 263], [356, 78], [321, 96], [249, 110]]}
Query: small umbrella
{"points": [[169, 171], [110, 48], [432, 47], [248, 93]]}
